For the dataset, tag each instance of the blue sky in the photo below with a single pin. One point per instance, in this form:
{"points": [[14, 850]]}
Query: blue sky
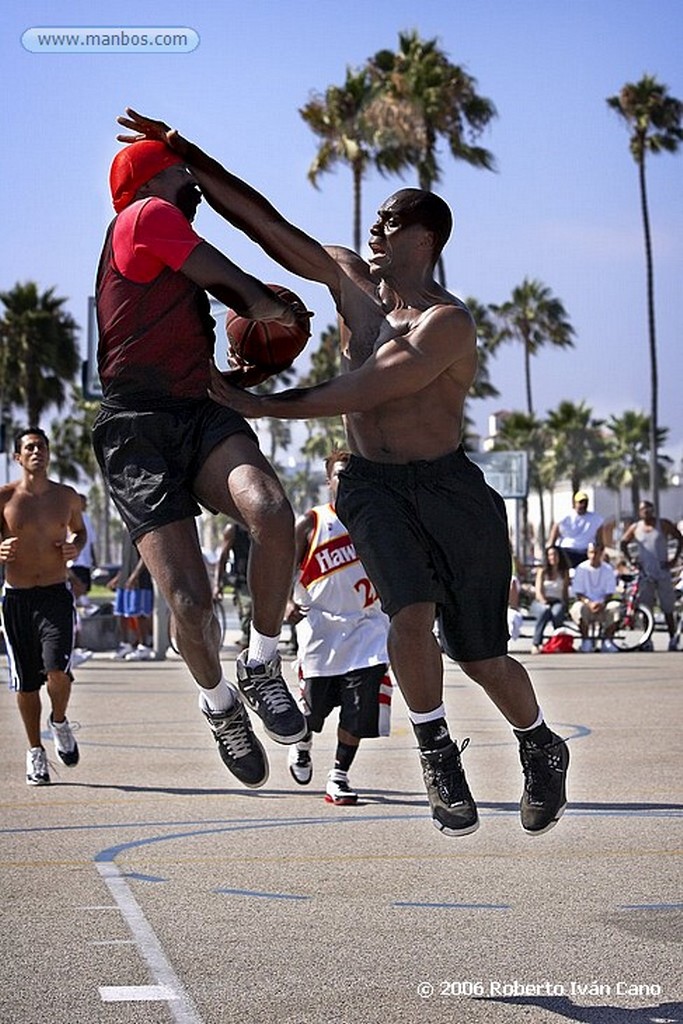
{"points": [[563, 206]]}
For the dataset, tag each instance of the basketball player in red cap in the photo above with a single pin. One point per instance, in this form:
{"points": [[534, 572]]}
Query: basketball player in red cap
{"points": [[166, 448], [431, 534]]}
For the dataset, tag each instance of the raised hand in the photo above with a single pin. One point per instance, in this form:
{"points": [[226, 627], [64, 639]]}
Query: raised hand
{"points": [[149, 128]]}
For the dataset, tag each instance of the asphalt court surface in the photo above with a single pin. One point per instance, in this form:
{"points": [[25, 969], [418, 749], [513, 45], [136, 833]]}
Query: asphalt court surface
{"points": [[144, 887]]}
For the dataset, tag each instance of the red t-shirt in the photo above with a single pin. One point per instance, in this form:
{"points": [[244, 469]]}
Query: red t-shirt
{"points": [[149, 235]]}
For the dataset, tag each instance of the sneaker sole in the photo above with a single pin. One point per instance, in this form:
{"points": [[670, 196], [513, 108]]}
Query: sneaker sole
{"points": [[454, 832], [546, 828], [251, 785], [301, 782], [285, 741], [71, 759], [38, 782], [344, 801]]}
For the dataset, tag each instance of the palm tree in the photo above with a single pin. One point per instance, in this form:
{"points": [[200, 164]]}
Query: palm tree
{"points": [[534, 317], [576, 443], [628, 445], [654, 122], [486, 332], [39, 354], [482, 387], [324, 434], [280, 431], [518, 431], [71, 451], [423, 97], [337, 118]]}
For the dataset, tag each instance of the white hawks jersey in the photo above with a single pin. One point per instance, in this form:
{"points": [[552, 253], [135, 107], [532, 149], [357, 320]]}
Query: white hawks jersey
{"points": [[345, 627]]}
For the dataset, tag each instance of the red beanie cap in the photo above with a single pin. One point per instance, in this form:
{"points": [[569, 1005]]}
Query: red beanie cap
{"points": [[134, 165]]}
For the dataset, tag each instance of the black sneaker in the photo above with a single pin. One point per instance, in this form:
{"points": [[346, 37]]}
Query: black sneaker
{"points": [[65, 744], [266, 693], [545, 774], [240, 750], [454, 812]]}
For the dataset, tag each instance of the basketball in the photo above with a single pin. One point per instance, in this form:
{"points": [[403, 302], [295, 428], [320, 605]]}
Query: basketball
{"points": [[266, 344]]}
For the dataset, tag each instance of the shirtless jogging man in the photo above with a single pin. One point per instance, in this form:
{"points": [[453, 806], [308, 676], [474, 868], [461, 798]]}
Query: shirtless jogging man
{"points": [[166, 449], [42, 529], [431, 534]]}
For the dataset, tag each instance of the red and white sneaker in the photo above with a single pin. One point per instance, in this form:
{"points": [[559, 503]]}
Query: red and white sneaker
{"points": [[337, 790]]}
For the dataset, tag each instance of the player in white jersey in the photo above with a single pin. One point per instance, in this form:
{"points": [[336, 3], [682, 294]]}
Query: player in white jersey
{"points": [[342, 635]]}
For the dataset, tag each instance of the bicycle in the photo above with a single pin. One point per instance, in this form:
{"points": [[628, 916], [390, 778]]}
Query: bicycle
{"points": [[635, 624]]}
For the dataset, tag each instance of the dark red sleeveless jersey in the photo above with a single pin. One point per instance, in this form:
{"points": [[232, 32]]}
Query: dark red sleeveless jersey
{"points": [[155, 338]]}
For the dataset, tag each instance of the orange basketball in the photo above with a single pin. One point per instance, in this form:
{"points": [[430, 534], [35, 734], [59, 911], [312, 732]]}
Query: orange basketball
{"points": [[266, 344]]}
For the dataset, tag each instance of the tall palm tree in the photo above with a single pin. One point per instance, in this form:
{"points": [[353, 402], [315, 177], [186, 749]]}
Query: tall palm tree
{"points": [[38, 350], [628, 447], [337, 117], [653, 118], [423, 97], [534, 317]]}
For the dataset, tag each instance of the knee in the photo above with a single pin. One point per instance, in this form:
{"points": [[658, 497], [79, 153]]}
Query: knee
{"points": [[191, 609], [270, 515], [488, 671], [411, 624]]}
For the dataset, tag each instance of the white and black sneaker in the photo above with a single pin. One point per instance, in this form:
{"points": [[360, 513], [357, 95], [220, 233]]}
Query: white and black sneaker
{"points": [[65, 744], [454, 812], [240, 750], [37, 772], [266, 693], [300, 762], [337, 790]]}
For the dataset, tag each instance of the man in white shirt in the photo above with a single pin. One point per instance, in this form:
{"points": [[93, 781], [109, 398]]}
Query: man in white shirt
{"points": [[595, 582], [575, 532]]}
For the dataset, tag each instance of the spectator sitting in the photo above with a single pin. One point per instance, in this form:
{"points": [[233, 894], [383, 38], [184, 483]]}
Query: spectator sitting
{"points": [[552, 592], [595, 582]]}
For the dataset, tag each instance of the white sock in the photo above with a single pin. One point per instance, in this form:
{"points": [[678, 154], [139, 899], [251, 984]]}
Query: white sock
{"points": [[220, 698], [535, 725], [419, 718], [261, 648]]}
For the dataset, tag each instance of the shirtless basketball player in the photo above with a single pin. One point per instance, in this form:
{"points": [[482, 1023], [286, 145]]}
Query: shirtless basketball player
{"points": [[431, 534], [42, 529]]}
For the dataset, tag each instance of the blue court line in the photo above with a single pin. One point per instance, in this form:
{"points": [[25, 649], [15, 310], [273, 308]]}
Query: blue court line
{"points": [[262, 895], [143, 878], [664, 811], [651, 906], [453, 906]]}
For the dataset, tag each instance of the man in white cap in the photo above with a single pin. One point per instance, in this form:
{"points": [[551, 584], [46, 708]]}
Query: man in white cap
{"points": [[576, 531]]}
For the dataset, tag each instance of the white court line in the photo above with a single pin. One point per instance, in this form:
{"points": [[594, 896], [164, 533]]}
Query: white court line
{"points": [[179, 1002], [135, 993]]}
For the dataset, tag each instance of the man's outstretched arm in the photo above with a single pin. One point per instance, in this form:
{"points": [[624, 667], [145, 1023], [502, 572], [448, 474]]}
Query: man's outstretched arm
{"points": [[242, 205]]}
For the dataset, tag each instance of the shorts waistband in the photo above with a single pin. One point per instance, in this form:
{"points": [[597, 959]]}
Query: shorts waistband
{"points": [[407, 472]]}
